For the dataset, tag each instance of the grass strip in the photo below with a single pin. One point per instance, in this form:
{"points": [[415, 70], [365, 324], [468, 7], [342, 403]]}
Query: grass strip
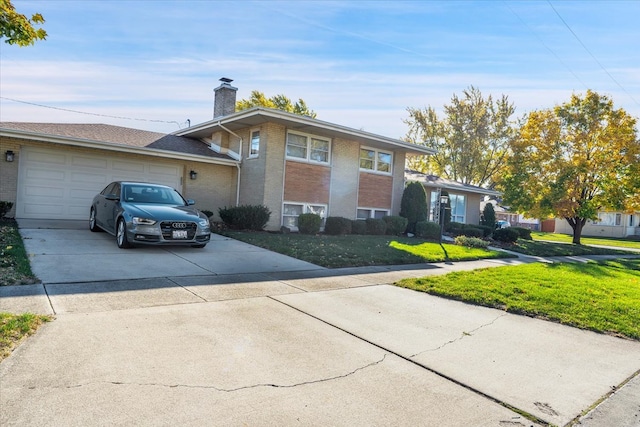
{"points": [[360, 250], [547, 249], [565, 238], [15, 327], [599, 296], [14, 262]]}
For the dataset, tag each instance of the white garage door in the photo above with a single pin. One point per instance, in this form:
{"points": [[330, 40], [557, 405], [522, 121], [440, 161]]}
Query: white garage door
{"points": [[58, 184]]}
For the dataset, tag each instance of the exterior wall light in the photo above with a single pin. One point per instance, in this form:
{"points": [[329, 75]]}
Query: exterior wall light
{"points": [[9, 156], [193, 174], [443, 202]]}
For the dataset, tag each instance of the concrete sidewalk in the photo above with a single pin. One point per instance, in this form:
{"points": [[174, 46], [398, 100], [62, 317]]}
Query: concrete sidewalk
{"points": [[336, 347]]}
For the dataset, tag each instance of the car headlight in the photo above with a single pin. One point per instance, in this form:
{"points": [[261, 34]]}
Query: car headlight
{"points": [[143, 221], [203, 222]]}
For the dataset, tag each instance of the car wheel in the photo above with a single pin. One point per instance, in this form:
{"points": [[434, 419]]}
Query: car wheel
{"points": [[199, 246], [121, 235], [92, 221]]}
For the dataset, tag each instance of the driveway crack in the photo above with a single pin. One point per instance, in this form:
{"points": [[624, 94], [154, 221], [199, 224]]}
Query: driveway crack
{"points": [[461, 337], [231, 390]]}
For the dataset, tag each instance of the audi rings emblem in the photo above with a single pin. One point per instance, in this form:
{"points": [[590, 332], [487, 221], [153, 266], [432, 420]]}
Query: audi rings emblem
{"points": [[179, 225]]}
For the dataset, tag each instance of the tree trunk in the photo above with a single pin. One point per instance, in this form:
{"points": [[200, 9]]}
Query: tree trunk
{"points": [[577, 224]]}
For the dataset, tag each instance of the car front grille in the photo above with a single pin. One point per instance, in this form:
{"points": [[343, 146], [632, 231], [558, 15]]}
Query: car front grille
{"points": [[168, 227]]}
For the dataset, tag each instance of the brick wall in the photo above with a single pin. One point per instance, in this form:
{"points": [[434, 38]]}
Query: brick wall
{"points": [[306, 182], [375, 191]]}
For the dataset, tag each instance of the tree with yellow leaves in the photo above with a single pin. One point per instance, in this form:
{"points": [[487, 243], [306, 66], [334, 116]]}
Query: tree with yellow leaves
{"points": [[574, 160], [16, 28]]}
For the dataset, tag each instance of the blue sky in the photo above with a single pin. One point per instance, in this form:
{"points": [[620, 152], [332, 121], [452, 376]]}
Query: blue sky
{"points": [[357, 63]]}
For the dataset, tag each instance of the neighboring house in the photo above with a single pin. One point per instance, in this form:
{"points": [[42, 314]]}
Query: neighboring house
{"points": [[464, 199], [503, 213], [290, 163], [608, 224]]}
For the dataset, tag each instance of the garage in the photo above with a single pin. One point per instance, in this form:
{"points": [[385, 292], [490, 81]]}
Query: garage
{"points": [[60, 184]]}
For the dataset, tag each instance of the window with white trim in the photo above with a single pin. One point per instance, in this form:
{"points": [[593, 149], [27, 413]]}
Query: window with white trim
{"points": [[374, 160], [254, 144], [291, 211], [366, 213], [308, 148], [458, 204]]}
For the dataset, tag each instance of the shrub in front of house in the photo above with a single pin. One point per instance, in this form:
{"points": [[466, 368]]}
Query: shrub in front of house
{"points": [[486, 230], [471, 242], [454, 227], [337, 225], [245, 217], [396, 225], [309, 223], [428, 230], [488, 217], [471, 232], [506, 235], [358, 226], [413, 205], [5, 207], [376, 226], [524, 233]]}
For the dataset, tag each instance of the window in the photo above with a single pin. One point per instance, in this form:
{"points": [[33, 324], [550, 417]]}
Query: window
{"points": [[291, 211], [458, 207], [308, 148], [618, 219], [433, 205], [375, 160], [254, 146], [365, 213]]}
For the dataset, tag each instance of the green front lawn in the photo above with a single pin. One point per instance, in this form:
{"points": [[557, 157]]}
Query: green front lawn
{"points": [[602, 241], [547, 249], [600, 296], [358, 250]]}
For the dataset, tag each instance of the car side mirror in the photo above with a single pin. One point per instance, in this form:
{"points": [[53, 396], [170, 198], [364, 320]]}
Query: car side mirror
{"points": [[190, 202]]}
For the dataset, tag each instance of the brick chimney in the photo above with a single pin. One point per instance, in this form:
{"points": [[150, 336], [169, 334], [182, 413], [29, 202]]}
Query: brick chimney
{"points": [[224, 98]]}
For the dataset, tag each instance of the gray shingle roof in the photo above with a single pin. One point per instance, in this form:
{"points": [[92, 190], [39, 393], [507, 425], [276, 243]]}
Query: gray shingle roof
{"points": [[439, 182], [117, 135]]}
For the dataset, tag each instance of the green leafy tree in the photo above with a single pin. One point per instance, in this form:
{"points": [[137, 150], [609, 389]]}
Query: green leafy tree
{"points": [[279, 102], [413, 205], [16, 28], [470, 141], [574, 160]]}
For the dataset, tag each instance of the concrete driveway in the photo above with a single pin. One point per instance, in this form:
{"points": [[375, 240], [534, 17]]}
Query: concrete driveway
{"points": [[300, 347], [67, 252]]}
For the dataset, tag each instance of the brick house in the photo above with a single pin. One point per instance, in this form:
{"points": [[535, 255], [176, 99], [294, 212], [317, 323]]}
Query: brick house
{"points": [[290, 163], [464, 199]]}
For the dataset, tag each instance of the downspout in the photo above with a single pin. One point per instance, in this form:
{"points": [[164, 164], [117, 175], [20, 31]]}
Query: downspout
{"points": [[237, 164]]}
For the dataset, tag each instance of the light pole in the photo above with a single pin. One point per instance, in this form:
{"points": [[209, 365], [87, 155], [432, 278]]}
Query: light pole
{"points": [[443, 201]]}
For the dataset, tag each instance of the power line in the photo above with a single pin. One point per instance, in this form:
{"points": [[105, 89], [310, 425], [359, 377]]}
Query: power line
{"points": [[90, 114], [590, 53]]}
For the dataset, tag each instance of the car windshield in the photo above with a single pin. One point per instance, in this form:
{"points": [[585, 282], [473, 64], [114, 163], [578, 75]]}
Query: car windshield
{"points": [[151, 194]]}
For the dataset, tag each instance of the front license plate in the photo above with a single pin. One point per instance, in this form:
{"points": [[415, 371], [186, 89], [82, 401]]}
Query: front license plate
{"points": [[179, 234]]}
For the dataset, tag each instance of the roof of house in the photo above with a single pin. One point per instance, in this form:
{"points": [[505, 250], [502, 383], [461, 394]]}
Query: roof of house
{"points": [[259, 115], [115, 138], [447, 184]]}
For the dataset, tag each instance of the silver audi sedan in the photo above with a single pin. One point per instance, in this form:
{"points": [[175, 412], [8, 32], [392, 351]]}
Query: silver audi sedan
{"points": [[149, 214]]}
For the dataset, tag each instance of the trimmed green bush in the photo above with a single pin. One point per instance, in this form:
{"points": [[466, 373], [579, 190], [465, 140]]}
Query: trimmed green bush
{"points": [[470, 231], [507, 235], [428, 230], [337, 225], [358, 226], [5, 207], [413, 205], [246, 217], [486, 230], [453, 226], [376, 227], [309, 223], [396, 225], [523, 233], [471, 242]]}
